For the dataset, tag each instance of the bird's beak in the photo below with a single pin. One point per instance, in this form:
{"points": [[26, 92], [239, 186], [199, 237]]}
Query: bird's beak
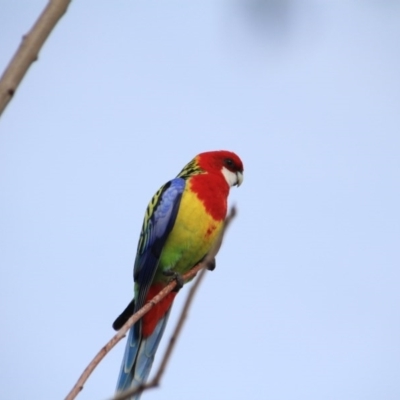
{"points": [[239, 178]]}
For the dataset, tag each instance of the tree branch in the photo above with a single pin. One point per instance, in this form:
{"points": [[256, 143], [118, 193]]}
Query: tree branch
{"points": [[28, 50], [209, 260]]}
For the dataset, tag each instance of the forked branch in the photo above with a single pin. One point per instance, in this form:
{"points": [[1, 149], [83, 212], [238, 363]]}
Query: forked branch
{"points": [[209, 260]]}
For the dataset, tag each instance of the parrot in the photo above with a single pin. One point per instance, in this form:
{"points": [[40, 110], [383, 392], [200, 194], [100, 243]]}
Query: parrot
{"points": [[181, 224]]}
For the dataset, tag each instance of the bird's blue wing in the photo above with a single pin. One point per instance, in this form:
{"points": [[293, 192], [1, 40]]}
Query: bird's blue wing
{"points": [[158, 222]]}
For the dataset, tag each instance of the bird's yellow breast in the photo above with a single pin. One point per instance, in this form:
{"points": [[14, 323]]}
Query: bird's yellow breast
{"points": [[192, 236]]}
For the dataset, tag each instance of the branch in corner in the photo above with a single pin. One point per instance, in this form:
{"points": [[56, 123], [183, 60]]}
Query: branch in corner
{"points": [[29, 48]]}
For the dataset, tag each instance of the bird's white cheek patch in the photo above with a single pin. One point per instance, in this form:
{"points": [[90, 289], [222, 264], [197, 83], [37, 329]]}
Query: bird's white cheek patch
{"points": [[229, 176]]}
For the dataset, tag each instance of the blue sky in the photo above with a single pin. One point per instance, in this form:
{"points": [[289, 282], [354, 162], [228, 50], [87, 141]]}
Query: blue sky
{"points": [[304, 303]]}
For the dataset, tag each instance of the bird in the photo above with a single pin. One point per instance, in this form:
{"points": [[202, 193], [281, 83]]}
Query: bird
{"points": [[181, 224]]}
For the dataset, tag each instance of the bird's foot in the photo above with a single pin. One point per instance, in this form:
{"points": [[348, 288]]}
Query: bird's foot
{"points": [[211, 264], [177, 277]]}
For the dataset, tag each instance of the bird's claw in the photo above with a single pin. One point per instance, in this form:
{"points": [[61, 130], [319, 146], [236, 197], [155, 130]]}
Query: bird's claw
{"points": [[177, 277], [211, 264]]}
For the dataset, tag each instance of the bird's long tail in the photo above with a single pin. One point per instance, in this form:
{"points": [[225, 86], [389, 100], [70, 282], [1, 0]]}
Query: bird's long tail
{"points": [[139, 356]]}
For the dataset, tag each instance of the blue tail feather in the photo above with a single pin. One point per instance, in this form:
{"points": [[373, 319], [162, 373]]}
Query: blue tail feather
{"points": [[139, 356]]}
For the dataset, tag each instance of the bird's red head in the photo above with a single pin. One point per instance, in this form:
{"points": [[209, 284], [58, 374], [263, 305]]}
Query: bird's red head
{"points": [[225, 162]]}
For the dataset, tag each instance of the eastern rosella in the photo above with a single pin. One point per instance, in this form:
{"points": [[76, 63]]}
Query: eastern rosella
{"points": [[181, 224]]}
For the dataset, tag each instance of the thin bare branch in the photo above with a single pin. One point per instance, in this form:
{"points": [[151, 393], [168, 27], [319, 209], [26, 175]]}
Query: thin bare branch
{"points": [[29, 48], [122, 332], [139, 314]]}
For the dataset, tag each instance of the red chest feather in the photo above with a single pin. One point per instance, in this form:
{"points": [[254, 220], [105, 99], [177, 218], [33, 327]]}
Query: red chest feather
{"points": [[213, 191]]}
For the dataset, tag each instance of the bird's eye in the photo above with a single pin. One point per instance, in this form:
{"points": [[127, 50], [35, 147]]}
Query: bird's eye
{"points": [[229, 162]]}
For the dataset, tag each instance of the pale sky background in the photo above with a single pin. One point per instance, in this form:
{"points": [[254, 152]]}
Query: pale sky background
{"points": [[304, 303]]}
